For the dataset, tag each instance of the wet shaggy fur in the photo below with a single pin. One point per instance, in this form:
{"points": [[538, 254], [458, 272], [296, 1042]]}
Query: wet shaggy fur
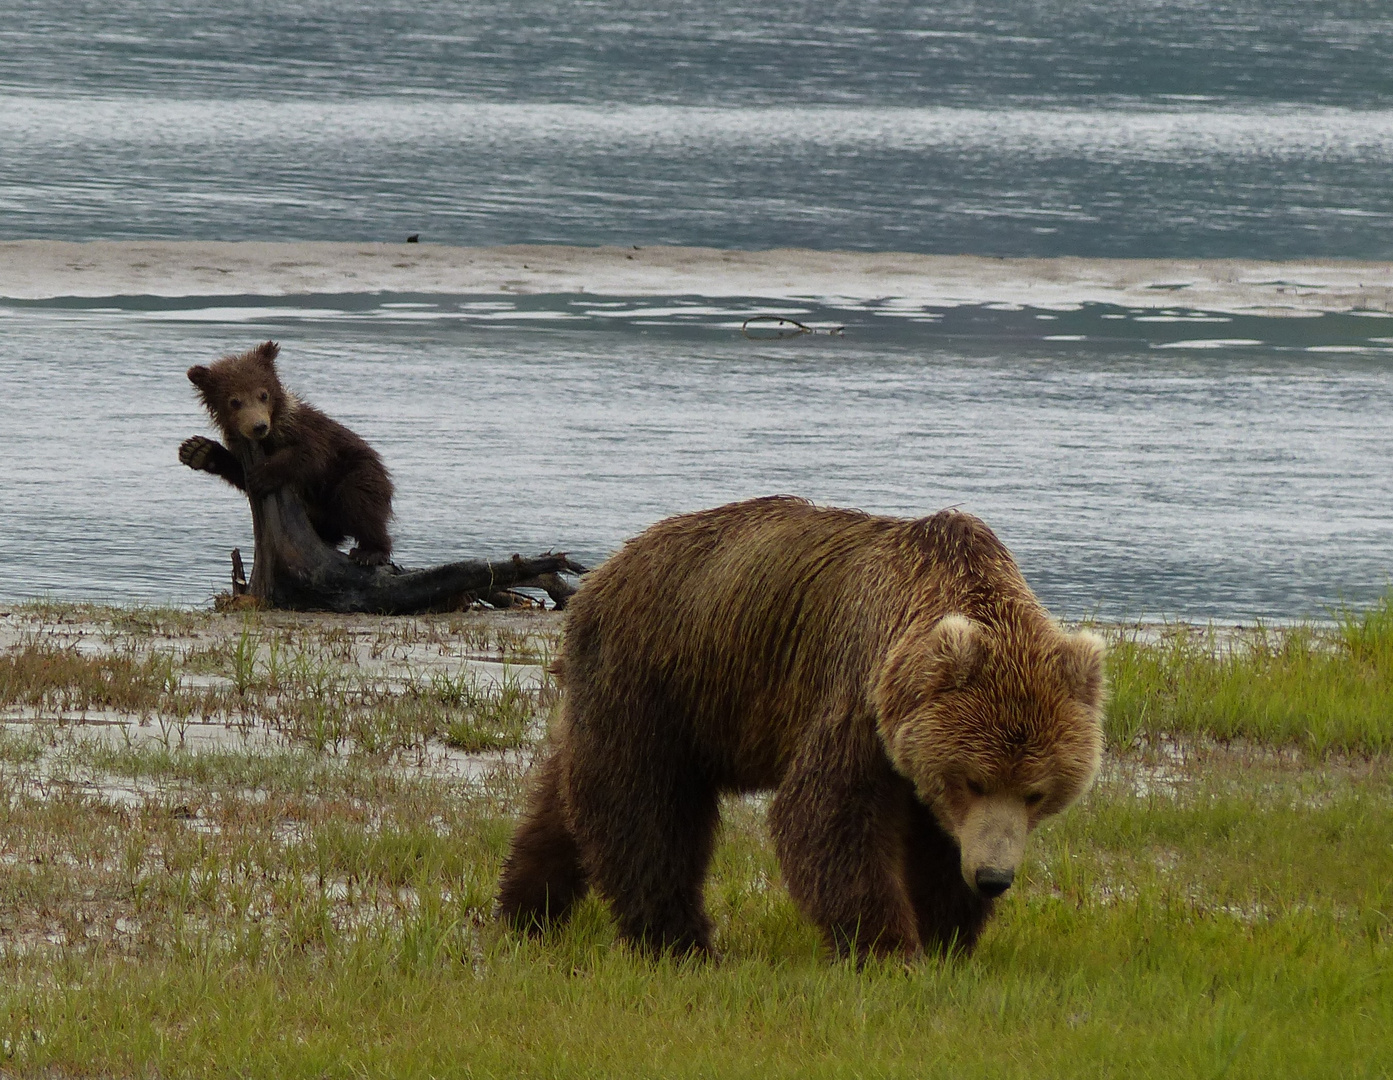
{"points": [[895, 683], [345, 487]]}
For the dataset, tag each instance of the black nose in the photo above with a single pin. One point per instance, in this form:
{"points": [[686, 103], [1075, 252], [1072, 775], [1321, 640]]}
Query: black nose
{"points": [[992, 881], [260, 430]]}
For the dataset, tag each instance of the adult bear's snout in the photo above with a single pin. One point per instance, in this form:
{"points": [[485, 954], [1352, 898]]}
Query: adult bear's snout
{"points": [[992, 881]]}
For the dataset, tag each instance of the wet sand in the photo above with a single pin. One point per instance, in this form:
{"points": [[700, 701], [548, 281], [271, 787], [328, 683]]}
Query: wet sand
{"points": [[482, 649], [39, 269]]}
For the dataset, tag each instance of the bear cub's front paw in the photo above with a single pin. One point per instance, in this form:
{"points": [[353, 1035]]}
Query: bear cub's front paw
{"points": [[262, 481], [196, 450]]}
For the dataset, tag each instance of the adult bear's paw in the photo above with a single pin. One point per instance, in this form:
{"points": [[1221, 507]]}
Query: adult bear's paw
{"points": [[196, 452]]}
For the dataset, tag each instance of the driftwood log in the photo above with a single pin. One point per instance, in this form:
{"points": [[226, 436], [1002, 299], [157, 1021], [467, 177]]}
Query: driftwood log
{"points": [[293, 568]]}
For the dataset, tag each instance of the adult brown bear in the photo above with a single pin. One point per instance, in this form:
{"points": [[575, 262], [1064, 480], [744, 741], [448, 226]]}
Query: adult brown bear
{"points": [[345, 487], [895, 682]]}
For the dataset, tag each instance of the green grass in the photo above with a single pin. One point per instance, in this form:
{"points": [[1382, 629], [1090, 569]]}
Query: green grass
{"points": [[1196, 934], [1220, 904], [1027, 1012], [1318, 688]]}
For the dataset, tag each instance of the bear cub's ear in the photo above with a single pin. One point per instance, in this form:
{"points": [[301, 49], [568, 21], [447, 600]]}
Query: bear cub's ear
{"points": [[1081, 665], [200, 376], [266, 353]]}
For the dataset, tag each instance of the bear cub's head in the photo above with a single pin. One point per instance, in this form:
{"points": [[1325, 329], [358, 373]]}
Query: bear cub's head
{"points": [[997, 726], [243, 393]]}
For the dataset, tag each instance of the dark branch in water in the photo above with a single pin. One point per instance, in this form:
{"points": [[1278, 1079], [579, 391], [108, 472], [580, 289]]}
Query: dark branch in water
{"points": [[781, 326]]}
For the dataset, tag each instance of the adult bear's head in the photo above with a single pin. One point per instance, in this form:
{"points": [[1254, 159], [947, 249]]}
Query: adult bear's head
{"points": [[243, 393], [998, 726]]}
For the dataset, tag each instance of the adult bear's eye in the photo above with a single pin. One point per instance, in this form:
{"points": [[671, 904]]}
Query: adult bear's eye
{"points": [[265, 396], [1034, 798], [976, 788], [236, 403]]}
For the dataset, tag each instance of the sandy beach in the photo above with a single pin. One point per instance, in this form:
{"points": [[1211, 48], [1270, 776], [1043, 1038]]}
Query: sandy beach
{"points": [[39, 270]]}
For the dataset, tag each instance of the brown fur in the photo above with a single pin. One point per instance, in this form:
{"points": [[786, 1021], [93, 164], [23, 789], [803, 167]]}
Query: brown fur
{"points": [[345, 486], [895, 682]]}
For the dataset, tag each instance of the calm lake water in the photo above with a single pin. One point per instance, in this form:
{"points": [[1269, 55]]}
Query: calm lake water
{"points": [[1183, 466]]}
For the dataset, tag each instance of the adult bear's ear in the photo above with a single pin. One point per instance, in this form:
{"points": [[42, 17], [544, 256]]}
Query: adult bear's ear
{"points": [[1080, 661], [954, 650], [925, 661], [201, 377], [266, 353]]}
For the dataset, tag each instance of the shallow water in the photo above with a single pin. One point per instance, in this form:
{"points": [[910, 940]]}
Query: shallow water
{"points": [[1135, 467], [1269, 182]]}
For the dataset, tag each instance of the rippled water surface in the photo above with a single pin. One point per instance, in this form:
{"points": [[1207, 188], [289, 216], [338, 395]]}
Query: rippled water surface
{"points": [[1179, 467], [1107, 128]]}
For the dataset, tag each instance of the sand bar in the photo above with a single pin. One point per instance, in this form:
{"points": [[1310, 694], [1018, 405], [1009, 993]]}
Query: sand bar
{"points": [[41, 269]]}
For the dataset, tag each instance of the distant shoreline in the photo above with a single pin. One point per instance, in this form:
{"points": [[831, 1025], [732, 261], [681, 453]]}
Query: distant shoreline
{"points": [[42, 270]]}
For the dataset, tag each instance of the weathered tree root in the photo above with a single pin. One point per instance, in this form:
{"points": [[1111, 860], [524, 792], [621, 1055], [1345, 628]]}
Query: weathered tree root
{"points": [[294, 569]]}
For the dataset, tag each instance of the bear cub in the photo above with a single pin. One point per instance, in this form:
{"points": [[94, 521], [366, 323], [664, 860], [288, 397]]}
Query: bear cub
{"points": [[345, 487]]}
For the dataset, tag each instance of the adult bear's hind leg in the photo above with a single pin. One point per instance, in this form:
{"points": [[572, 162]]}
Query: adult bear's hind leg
{"points": [[542, 877]]}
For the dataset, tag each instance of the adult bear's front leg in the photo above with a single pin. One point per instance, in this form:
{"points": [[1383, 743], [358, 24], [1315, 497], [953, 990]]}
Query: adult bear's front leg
{"points": [[950, 912], [838, 823], [207, 455]]}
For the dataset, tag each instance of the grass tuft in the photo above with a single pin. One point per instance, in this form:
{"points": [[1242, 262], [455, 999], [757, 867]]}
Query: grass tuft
{"points": [[1318, 688]]}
